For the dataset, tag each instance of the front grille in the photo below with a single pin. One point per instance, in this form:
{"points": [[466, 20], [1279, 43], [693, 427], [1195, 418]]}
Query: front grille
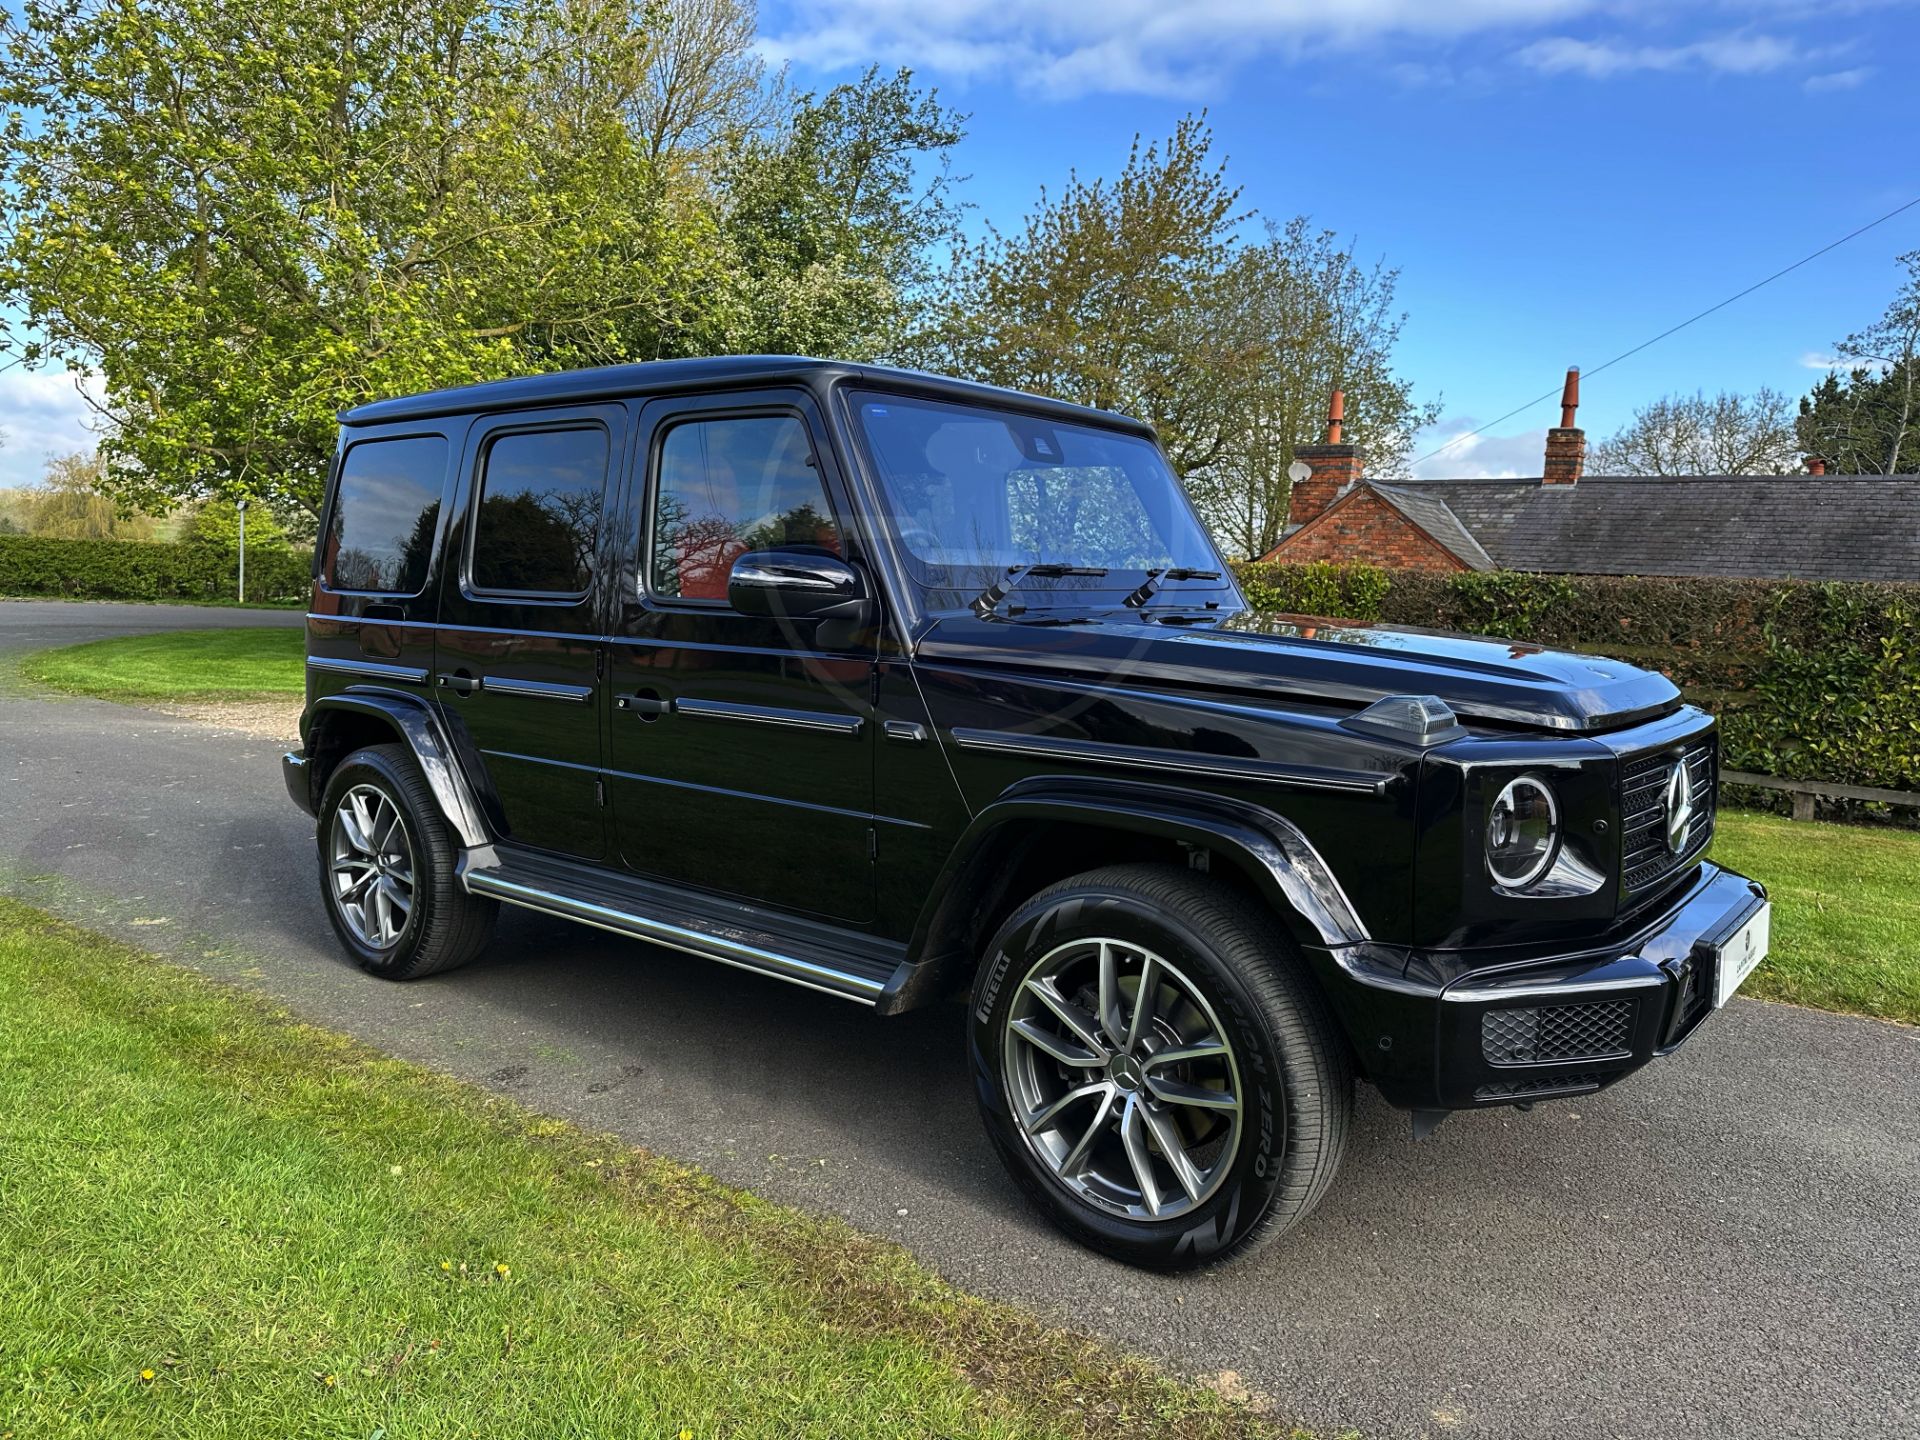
{"points": [[1540, 1086], [1646, 856], [1527, 1035]]}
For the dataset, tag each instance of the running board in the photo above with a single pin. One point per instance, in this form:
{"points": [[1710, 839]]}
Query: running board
{"points": [[807, 953]]}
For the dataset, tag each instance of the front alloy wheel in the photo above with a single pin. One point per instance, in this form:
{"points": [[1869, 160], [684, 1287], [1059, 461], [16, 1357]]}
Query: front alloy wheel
{"points": [[1157, 1067], [1122, 1079]]}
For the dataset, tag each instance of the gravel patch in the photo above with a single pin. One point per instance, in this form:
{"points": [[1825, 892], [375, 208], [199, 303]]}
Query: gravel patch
{"points": [[273, 718]]}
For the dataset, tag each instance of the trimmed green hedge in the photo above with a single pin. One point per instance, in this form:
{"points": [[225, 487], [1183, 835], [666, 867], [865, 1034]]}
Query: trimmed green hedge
{"points": [[141, 570], [1812, 681]]}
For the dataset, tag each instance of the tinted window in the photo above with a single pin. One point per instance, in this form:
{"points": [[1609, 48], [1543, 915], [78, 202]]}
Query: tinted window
{"points": [[973, 490], [539, 511], [725, 487], [384, 514]]}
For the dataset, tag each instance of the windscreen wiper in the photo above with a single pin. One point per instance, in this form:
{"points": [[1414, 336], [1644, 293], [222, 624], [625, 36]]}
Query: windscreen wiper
{"points": [[1179, 572], [988, 600]]}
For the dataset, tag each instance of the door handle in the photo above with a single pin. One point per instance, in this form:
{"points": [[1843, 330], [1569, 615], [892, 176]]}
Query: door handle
{"points": [[647, 706], [458, 681]]}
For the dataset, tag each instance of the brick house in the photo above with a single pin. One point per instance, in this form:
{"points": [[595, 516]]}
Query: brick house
{"points": [[1814, 526]]}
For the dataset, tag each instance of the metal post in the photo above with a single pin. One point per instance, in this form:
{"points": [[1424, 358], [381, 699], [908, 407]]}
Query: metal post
{"points": [[243, 552]]}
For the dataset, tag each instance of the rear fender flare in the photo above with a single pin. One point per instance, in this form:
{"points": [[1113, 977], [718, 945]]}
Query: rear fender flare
{"points": [[415, 725]]}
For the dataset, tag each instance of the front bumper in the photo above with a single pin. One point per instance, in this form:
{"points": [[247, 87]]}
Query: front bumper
{"points": [[296, 768], [1507, 1032]]}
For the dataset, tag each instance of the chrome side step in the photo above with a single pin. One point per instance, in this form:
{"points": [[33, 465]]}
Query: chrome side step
{"points": [[861, 979]]}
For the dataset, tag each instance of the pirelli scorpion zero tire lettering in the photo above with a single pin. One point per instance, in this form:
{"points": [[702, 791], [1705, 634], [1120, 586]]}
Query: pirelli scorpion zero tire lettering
{"points": [[1157, 1068], [387, 870]]}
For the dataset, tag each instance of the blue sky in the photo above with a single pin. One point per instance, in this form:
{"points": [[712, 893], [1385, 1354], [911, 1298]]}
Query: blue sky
{"points": [[1558, 180]]}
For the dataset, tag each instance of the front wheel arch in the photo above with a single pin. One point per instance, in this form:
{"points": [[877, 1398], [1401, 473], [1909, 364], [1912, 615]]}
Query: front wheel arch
{"points": [[1044, 831]]}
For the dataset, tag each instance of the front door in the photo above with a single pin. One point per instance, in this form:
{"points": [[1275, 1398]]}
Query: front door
{"points": [[740, 748], [521, 656]]}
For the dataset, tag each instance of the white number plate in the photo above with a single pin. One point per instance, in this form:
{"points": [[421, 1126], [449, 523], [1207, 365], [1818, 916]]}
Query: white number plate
{"points": [[1743, 950]]}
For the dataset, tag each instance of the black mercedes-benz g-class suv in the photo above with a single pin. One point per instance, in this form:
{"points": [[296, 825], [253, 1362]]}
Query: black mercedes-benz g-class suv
{"points": [[900, 688]]}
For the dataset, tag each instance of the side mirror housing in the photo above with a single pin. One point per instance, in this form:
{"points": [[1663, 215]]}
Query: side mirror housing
{"points": [[798, 584]]}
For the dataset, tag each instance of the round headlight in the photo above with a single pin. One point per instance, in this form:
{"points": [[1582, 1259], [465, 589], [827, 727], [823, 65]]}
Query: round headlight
{"points": [[1523, 830]]}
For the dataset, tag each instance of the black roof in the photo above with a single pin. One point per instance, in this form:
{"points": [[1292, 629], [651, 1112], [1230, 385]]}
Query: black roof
{"points": [[1825, 527], [719, 372]]}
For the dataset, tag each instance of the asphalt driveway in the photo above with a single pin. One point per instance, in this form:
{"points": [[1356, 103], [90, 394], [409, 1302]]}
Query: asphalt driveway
{"points": [[1726, 1245]]}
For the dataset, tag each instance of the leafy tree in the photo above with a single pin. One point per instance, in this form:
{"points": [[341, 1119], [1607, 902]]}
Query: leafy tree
{"points": [[1698, 434], [246, 217], [216, 525], [1136, 295], [1312, 318], [1105, 294], [71, 505], [830, 215], [1867, 422]]}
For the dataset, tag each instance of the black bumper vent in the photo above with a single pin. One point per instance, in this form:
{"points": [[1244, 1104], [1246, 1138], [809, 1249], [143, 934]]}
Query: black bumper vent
{"points": [[1541, 1086], [1647, 857], [1527, 1035], [1697, 974]]}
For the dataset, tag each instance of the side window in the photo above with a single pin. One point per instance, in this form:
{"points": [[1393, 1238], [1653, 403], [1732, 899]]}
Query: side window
{"points": [[386, 508], [538, 515], [728, 486]]}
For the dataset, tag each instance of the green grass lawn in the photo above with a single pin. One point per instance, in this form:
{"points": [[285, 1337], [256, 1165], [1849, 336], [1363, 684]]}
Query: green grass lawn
{"points": [[218, 1222], [1846, 911], [178, 665]]}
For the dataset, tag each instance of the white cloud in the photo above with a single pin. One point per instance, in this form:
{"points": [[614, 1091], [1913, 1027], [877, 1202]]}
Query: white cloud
{"points": [[1063, 48], [43, 412], [1477, 457], [1058, 49], [1822, 360], [1598, 59], [1837, 80]]}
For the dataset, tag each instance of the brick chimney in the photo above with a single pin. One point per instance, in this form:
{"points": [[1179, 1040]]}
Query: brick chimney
{"points": [[1336, 466], [1566, 445], [1816, 465]]}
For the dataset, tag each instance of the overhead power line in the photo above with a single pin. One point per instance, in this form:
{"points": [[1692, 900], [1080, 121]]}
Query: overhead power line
{"points": [[1674, 329]]}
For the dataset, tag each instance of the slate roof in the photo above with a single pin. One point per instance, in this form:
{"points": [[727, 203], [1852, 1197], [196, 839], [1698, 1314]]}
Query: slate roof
{"points": [[1827, 527], [1431, 514]]}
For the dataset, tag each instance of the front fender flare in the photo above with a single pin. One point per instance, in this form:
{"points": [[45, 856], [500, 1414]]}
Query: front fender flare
{"points": [[1282, 863], [414, 722]]}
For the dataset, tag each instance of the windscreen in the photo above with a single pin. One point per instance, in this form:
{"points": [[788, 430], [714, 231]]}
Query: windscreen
{"points": [[972, 491]]}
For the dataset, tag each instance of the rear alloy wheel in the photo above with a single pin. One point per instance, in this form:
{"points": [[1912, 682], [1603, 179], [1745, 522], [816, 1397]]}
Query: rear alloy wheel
{"points": [[1156, 1066], [371, 867], [388, 870]]}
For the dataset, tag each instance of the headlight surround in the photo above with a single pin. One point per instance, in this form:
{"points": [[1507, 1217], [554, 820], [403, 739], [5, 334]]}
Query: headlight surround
{"points": [[1523, 832]]}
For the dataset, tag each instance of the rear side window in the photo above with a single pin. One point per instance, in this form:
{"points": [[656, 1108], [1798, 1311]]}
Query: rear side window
{"points": [[728, 486], [539, 513], [386, 509]]}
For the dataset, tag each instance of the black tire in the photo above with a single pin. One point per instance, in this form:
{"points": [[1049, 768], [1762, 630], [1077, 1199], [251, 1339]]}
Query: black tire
{"points": [[444, 926], [1294, 1067]]}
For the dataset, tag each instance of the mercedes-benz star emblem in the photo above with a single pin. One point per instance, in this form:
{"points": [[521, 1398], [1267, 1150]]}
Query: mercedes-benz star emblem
{"points": [[1679, 806]]}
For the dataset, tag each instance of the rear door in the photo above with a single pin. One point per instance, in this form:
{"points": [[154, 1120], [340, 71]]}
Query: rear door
{"points": [[376, 576], [740, 747], [521, 658]]}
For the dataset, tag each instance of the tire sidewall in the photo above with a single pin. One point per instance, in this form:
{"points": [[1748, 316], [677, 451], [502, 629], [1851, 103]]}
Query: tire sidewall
{"points": [[370, 767], [1257, 1171]]}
